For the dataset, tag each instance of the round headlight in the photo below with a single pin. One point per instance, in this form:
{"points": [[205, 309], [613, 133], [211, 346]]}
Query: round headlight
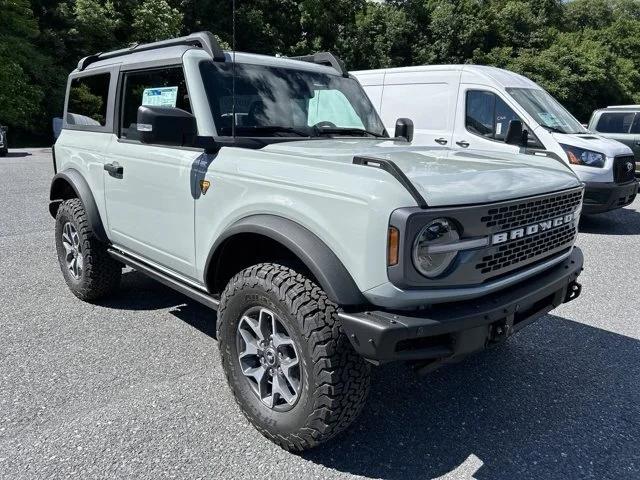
{"points": [[427, 260]]}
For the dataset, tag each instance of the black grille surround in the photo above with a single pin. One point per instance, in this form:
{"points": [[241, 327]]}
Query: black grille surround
{"points": [[477, 266], [621, 173]]}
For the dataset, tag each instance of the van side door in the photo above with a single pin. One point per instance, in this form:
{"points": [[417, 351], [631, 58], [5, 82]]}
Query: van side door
{"points": [[635, 130], [482, 120], [149, 198], [426, 97]]}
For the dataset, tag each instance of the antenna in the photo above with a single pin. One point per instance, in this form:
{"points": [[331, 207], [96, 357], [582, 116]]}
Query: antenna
{"points": [[233, 73]]}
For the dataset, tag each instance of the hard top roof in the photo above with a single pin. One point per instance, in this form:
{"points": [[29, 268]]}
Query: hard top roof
{"points": [[171, 52]]}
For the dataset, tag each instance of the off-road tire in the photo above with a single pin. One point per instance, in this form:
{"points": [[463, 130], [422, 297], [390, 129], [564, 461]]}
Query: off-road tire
{"points": [[335, 380], [101, 274]]}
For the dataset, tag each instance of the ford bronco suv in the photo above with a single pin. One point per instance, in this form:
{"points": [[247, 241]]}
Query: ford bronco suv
{"points": [[268, 189]]}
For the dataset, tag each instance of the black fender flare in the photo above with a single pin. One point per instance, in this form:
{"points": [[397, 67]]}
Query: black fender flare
{"points": [[325, 266], [75, 180]]}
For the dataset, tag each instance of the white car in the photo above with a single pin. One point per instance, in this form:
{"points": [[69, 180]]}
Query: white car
{"points": [[472, 107]]}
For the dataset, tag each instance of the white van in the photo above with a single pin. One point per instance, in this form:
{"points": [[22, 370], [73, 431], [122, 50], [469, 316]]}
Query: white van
{"points": [[472, 107]]}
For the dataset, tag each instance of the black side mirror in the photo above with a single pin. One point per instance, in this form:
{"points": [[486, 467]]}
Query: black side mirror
{"points": [[166, 126], [404, 129], [516, 135]]}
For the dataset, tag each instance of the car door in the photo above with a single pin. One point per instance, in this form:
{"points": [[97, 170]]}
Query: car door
{"points": [[482, 121], [148, 192]]}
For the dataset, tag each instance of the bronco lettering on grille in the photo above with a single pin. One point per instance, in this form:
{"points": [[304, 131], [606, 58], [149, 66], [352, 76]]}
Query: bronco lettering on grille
{"points": [[516, 233]]}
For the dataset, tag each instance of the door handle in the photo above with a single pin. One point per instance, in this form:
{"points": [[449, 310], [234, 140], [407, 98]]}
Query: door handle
{"points": [[638, 144], [441, 141], [115, 169], [463, 143]]}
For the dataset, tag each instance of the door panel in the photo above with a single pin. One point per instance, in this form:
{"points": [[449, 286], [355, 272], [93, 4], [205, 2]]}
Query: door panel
{"points": [[482, 120], [148, 188]]}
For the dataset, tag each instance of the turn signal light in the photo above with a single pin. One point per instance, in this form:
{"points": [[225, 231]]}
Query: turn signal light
{"points": [[393, 246]]}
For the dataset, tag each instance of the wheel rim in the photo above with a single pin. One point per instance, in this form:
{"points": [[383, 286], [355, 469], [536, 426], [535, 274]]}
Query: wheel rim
{"points": [[269, 359], [73, 253]]}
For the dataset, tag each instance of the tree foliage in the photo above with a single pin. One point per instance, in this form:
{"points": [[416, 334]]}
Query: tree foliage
{"points": [[585, 52]]}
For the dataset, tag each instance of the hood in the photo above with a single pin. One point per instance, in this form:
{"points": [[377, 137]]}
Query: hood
{"points": [[445, 177], [593, 141]]}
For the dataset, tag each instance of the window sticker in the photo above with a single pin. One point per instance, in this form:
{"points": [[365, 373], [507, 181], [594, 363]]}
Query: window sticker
{"points": [[160, 97], [549, 119], [499, 128]]}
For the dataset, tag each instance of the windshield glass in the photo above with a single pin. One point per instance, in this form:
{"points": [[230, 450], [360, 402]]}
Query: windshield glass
{"points": [[274, 101], [546, 110]]}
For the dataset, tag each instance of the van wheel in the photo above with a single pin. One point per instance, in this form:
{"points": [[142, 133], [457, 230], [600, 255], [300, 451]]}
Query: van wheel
{"points": [[89, 271], [289, 364]]}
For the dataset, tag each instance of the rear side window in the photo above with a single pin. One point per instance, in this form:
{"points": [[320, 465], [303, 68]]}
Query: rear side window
{"points": [[88, 98], [165, 87], [615, 122]]}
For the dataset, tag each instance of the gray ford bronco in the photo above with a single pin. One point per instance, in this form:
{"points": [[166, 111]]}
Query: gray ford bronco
{"points": [[268, 189]]}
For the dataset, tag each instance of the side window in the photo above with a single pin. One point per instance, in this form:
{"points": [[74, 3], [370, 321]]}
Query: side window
{"points": [[332, 105], [480, 110], [165, 87], [635, 127], [488, 115], [615, 122], [88, 98]]}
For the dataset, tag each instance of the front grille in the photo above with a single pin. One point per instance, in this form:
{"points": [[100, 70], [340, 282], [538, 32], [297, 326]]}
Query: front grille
{"points": [[532, 248], [526, 213], [621, 172]]}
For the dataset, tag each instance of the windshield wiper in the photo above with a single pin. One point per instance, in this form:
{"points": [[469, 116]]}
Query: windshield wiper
{"points": [[553, 129], [348, 131]]}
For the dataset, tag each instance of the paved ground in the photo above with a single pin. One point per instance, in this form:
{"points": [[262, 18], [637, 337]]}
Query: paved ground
{"points": [[133, 388]]}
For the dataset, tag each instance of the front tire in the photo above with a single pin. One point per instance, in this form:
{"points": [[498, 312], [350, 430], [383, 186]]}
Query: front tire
{"points": [[89, 271], [289, 364]]}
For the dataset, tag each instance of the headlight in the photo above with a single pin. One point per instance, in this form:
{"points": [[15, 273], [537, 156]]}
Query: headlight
{"points": [[429, 261], [580, 156]]}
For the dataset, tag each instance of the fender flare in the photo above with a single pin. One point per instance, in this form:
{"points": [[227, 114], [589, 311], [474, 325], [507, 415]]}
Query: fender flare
{"points": [[79, 185], [326, 267]]}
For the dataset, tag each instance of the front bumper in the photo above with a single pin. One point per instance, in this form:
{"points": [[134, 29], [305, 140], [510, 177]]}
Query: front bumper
{"points": [[601, 197], [450, 330]]}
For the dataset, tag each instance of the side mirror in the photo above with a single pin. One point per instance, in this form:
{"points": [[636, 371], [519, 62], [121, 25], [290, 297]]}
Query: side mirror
{"points": [[166, 126], [404, 129], [516, 135]]}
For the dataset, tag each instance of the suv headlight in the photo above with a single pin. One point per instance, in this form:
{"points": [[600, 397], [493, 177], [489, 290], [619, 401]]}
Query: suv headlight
{"points": [[428, 259], [580, 156]]}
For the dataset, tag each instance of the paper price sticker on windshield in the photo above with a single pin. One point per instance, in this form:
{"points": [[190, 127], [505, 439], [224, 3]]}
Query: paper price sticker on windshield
{"points": [[160, 97]]}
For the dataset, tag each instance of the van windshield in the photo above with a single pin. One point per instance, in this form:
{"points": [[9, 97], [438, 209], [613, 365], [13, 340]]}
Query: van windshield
{"points": [[546, 110], [286, 102]]}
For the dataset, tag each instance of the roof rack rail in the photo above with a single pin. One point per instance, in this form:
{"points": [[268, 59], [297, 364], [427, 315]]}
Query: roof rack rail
{"points": [[205, 40], [324, 58]]}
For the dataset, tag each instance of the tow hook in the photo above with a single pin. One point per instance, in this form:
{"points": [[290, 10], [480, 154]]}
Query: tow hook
{"points": [[573, 291]]}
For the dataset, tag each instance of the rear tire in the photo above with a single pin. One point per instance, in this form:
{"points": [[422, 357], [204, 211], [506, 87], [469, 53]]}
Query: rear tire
{"points": [[332, 379], [89, 271]]}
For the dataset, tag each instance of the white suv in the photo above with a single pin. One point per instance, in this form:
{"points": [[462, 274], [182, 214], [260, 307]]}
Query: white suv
{"points": [[268, 189]]}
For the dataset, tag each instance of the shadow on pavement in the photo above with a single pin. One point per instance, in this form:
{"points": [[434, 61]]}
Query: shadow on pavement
{"points": [[624, 221], [561, 400], [17, 154]]}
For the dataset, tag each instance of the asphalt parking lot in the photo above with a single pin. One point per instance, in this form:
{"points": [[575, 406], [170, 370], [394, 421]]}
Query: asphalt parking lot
{"points": [[132, 388]]}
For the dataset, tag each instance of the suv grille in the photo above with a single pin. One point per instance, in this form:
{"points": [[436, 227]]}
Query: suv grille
{"points": [[503, 258], [516, 252], [534, 211], [621, 173]]}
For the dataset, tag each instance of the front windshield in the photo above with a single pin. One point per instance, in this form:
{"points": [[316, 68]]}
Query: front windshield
{"points": [[286, 102], [546, 110]]}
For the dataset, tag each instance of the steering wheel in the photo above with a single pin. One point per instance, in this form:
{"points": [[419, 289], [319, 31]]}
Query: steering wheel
{"points": [[325, 124]]}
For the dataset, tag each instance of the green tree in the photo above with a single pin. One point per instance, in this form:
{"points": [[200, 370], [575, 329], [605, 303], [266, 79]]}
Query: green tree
{"points": [[156, 20]]}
